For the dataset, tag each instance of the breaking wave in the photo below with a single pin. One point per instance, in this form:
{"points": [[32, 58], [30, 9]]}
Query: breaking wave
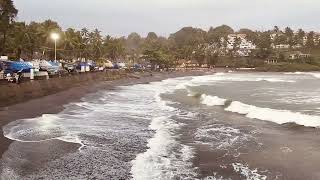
{"points": [[204, 80], [212, 100], [274, 115], [165, 157], [314, 74], [265, 114]]}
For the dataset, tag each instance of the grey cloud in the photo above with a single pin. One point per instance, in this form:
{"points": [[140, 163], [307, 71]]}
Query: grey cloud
{"points": [[120, 17]]}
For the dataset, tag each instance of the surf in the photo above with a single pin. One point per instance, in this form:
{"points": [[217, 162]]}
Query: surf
{"points": [[262, 113]]}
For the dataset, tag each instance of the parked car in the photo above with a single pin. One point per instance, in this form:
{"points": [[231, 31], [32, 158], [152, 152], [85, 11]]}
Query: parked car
{"points": [[51, 67], [137, 66], [108, 65], [70, 67], [119, 65]]}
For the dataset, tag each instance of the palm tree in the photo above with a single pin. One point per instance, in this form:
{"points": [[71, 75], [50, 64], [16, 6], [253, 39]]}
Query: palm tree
{"points": [[72, 42], [114, 48], [84, 33], [301, 34], [95, 44]]}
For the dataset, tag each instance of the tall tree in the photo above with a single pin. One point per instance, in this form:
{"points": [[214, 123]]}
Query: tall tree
{"points": [[290, 36], [152, 35], [187, 40], [200, 54], [133, 41], [84, 33], [214, 35], [18, 39], [300, 36], [264, 45], [280, 39], [276, 29], [251, 35], [189, 36], [310, 40], [72, 43], [8, 12], [95, 44], [114, 48]]}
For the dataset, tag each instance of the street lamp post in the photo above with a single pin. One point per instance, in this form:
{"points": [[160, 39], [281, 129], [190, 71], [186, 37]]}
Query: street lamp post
{"points": [[55, 37]]}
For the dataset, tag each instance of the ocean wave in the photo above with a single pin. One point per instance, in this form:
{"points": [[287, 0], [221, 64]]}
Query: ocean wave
{"points": [[24, 130], [220, 74], [266, 114], [274, 80], [274, 115], [212, 100], [203, 80], [314, 74], [115, 132], [161, 159]]}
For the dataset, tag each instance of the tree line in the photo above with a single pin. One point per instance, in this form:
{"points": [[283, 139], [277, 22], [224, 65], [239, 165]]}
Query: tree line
{"points": [[32, 40]]}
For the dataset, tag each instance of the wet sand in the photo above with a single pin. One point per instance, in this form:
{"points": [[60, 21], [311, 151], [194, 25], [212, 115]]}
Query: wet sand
{"points": [[54, 103]]}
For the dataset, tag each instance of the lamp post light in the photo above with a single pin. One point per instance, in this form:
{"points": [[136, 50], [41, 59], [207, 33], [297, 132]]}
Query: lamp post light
{"points": [[55, 37]]}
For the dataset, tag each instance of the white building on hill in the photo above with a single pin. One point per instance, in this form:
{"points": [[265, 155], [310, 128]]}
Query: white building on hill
{"points": [[280, 46], [243, 42]]}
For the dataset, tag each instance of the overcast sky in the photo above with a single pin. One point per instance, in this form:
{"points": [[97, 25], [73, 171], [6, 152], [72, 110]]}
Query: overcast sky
{"points": [[120, 17]]}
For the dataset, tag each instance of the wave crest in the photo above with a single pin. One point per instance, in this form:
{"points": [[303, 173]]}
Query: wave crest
{"points": [[265, 114], [212, 100], [274, 115]]}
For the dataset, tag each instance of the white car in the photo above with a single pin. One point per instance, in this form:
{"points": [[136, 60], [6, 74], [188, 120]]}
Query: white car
{"points": [[121, 65]]}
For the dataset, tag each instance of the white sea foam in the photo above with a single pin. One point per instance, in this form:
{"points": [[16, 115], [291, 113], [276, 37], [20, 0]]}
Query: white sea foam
{"points": [[222, 137], [286, 150], [191, 93], [72, 139], [298, 73], [25, 131], [274, 80], [221, 78], [161, 160], [249, 174], [215, 177], [314, 74], [212, 100], [274, 115], [106, 126], [317, 75], [220, 74], [266, 114]]}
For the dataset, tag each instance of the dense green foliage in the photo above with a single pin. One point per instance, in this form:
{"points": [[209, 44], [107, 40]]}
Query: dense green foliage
{"points": [[32, 40], [7, 14]]}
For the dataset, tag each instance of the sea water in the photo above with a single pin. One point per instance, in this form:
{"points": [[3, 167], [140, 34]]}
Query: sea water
{"points": [[220, 126]]}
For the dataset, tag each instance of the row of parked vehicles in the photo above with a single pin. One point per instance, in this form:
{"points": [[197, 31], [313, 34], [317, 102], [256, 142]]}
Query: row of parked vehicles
{"points": [[11, 68]]}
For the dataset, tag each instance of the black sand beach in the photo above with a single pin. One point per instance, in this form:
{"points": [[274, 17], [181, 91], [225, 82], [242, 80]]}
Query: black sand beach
{"points": [[54, 103]]}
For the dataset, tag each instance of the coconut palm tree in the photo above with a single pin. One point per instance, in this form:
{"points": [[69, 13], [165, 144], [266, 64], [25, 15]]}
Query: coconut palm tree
{"points": [[72, 42]]}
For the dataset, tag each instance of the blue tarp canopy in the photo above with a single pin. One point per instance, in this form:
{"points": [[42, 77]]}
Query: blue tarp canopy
{"points": [[15, 66], [50, 66], [52, 63]]}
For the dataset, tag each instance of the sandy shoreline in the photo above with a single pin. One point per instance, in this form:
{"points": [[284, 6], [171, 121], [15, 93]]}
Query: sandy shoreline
{"points": [[52, 104]]}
